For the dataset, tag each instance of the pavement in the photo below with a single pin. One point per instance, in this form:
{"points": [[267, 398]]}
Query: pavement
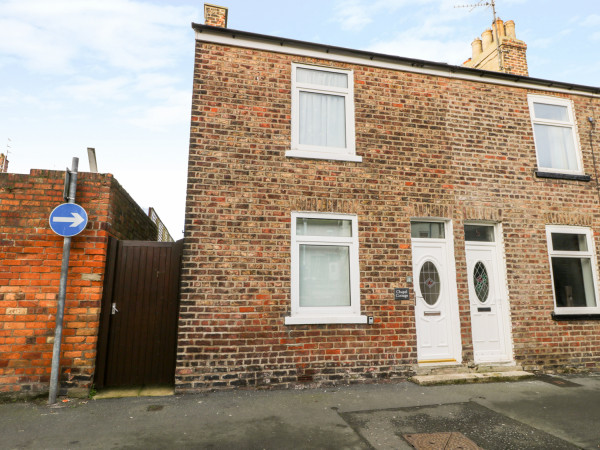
{"points": [[538, 413]]}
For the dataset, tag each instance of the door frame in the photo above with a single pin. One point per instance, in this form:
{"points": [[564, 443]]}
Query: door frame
{"points": [[105, 307], [450, 273], [505, 313]]}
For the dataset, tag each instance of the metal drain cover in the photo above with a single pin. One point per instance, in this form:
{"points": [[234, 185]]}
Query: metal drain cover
{"points": [[446, 441]]}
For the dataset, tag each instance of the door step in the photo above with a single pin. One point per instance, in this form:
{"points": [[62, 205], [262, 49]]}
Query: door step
{"points": [[458, 374], [139, 391]]}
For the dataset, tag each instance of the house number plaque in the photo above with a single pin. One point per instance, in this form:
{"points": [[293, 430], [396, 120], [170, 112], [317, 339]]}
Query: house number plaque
{"points": [[401, 294]]}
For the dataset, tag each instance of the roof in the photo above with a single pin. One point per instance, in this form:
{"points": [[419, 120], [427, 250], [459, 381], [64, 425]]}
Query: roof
{"points": [[283, 45]]}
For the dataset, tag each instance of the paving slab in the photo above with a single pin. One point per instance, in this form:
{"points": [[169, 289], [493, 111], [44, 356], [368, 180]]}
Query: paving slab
{"points": [[118, 393]]}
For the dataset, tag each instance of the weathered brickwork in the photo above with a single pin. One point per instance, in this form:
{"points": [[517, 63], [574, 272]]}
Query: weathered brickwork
{"points": [[514, 59], [30, 262], [432, 147], [215, 15]]}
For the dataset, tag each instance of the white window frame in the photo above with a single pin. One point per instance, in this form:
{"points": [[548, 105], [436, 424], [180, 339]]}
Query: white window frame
{"points": [[571, 123], [590, 253], [331, 314], [314, 151]]}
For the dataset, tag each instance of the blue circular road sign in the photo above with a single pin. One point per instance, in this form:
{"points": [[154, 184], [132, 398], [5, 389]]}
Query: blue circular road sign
{"points": [[68, 219]]}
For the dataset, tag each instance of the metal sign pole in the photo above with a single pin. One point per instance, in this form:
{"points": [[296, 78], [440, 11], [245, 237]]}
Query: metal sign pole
{"points": [[62, 291]]}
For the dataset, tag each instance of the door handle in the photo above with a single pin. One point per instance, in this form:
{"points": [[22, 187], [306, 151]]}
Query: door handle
{"points": [[114, 309]]}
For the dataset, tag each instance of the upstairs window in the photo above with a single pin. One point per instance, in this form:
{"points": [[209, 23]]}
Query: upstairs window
{"points": [[322, 113], [555, 135], [573, 266]]}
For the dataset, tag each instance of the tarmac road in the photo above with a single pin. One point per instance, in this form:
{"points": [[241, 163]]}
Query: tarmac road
{"points": [[550, 413]]}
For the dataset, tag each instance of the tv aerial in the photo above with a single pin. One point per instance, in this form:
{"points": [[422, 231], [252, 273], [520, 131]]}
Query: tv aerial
{"points": [[491, 3]]}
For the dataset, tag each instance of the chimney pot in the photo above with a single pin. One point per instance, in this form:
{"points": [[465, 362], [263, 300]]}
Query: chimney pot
{"points": [[215, 15], [3, 163], [512, 57], [509, 25], [486, 38], [477, 48], [499, 28]]}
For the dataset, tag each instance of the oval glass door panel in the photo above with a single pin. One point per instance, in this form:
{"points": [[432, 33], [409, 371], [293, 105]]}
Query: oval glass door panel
{"points": [[429, 283], [481, 282]]}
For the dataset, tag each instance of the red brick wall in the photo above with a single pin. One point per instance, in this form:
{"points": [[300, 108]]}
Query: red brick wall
{"points": [[431, 147], [30, 260]]}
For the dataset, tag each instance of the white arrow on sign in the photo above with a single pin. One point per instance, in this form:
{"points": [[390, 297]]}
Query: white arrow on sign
{"points": [[76, 219]]}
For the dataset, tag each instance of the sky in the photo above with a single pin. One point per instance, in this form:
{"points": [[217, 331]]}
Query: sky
{"points": [[116, 75]]}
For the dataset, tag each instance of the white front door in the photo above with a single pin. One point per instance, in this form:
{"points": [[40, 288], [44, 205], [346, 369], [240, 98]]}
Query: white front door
{"points": [[436, 312], [487, 295]]}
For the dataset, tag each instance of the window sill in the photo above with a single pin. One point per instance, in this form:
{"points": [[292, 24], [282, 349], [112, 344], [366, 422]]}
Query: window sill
{"points": [[323, 155], [562, 176], [560, 317], [312, 320]]}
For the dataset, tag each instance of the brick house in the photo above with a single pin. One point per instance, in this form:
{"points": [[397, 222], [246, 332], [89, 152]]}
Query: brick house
{"points": [[30, 265], [354, 216]]}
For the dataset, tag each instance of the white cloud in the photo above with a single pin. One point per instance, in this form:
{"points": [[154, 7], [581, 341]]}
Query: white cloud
{"points": [[592, 20], [452, 52], [121, 87], [12, 96], [356, 14], [55, 36], [86, 89], [106, 54], [174, 111], [15, 101], [565, 32], [157, 85], [352, 15], [22, 41], [440, 35], [545, 42]]}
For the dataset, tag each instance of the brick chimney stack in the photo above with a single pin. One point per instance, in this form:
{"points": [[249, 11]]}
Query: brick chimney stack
{"points": [[512, 50], [215, 16]]}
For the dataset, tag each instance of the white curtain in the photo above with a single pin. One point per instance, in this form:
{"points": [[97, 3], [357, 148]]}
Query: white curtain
{"points": [[552, 112], [588, 282], [322, 115], [322, 120], [324, 275], [322, 77], [555, 147]]}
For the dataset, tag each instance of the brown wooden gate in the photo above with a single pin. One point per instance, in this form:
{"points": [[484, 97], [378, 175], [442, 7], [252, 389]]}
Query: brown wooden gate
{"points": [[138, 322]]}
